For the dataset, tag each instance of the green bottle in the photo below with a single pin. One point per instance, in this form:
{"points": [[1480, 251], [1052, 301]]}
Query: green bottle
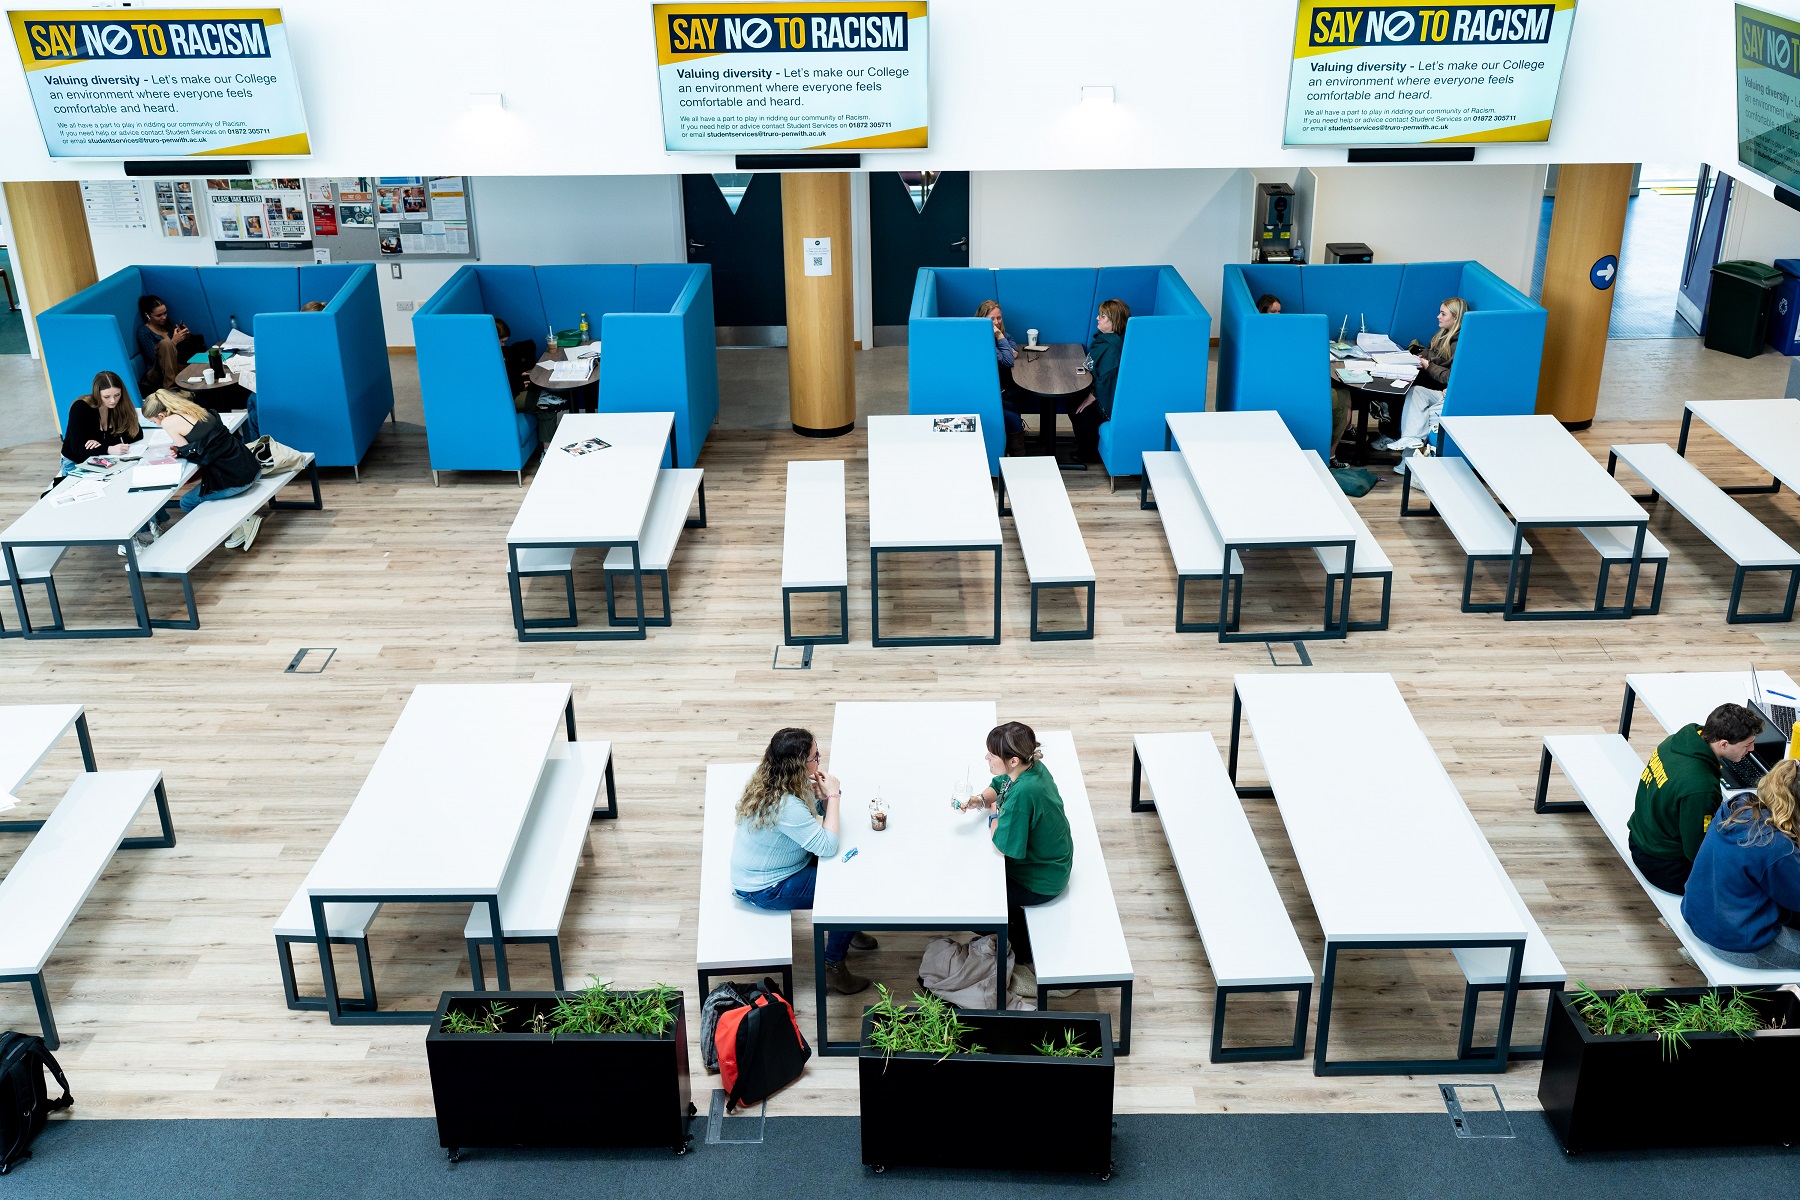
{"points": [[584, 329]]}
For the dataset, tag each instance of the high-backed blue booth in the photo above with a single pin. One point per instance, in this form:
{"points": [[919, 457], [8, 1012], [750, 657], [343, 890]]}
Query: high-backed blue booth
{"points": [[1277, 361], [322, 381], [951, 366], [655, 324]]}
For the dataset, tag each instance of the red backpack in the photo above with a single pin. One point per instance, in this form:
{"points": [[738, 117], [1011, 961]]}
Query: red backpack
{"points": [[761, 1049]]}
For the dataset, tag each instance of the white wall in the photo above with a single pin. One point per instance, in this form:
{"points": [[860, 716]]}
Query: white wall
{"points": [[1197, 221], [1200, 83], [1760, 228], [518, 219], [1431, 213]]}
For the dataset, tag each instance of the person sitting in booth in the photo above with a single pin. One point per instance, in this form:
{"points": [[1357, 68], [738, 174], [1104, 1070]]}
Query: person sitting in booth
{"points": [[166, 344], [102, 422], [1267, 303], [1419, 416], [1006, 353], [787, 819], [1104, 354], [519, 357], [1743, 897], [1679, 790]]}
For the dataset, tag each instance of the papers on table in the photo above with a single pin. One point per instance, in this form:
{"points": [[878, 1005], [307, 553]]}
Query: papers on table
{"points": [[571, 370], [237, 339], [80, 493], [1347, 376], [1342, 350], [1376, 343], [243, 369], [591, 350], [156, 473]]}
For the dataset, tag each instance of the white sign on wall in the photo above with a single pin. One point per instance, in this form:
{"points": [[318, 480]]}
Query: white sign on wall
{"points": [[817, 253], [113, 203]]}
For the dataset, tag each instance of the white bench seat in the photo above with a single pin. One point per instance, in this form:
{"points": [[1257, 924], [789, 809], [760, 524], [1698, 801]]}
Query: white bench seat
{"points": [[1604, 769], [37, 565], [541, 873], [197, 533], [815, 548], [1049, 536], [663, 523], [1193, 542], [53, 877], [1250, 943], [1613, 543], [1485, 969], [1076, 939], [734, 937], [1473, 517], [1372, 561], [1750, 544]]}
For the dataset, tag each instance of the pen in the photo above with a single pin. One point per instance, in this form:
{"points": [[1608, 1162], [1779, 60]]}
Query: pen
{"points": [[1773, 692]]}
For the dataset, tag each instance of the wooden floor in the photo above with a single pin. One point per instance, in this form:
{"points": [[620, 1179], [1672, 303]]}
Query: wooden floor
{"points": [[166, 986]]}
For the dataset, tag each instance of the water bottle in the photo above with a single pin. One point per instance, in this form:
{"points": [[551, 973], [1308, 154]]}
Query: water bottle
{"points": [[584, 329], [234, 323], [216, 361]]}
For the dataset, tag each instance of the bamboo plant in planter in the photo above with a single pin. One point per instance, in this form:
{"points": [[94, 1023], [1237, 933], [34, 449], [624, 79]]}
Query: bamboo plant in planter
{"points": [[595, 1067], [1734, 1052], [1030, 1091]]}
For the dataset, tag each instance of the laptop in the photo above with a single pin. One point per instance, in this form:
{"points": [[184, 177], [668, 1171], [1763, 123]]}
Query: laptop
{"points": [[1771, 744]]}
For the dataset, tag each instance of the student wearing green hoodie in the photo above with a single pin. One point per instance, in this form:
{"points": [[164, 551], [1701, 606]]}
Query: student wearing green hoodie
{"points": [[1679, 792], [1102, 365]]}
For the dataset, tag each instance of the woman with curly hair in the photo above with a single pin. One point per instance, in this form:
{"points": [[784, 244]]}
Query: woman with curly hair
{"points": [[787, 820]]}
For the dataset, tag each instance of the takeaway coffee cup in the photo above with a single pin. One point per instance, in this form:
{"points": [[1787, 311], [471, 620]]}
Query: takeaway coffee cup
{"points": [[209, 377], [1031, 337]]}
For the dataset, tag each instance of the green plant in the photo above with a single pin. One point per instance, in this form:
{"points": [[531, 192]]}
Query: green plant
{"points": [[928, 1026], [1634, 1012], [598, 1009], [1070, 1047], [457, 1021]]}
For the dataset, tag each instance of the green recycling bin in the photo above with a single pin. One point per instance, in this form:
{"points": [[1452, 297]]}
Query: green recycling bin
{"points": [[1737, 312]]}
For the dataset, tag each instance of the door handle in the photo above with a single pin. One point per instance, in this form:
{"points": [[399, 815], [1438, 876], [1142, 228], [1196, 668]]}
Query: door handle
{"points": [[693, 245], [961, 243]]}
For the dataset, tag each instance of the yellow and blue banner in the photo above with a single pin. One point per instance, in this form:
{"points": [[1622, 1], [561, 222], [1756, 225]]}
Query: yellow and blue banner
{"points": [[162, 83], [1768, 94], [1387, 72], [831, 75]]}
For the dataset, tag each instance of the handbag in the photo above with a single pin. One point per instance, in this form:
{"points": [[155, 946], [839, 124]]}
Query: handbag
{"points": [[276, 458]]}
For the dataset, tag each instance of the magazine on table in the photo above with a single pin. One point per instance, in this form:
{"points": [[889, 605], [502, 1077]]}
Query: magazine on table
{"points": [[587, 446], [953, 424]]}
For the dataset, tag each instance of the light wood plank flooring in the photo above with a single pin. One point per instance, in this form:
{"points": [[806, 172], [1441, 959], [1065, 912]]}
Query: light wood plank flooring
{"points": [[166, 986]]}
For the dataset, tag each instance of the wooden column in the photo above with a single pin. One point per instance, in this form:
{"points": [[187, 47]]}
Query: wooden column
{"points": [[50, 241], [1587, 224], [820, 308]]}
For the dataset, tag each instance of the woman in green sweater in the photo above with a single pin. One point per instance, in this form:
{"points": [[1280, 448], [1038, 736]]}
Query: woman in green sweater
{"points": [[1102, 365], [1027, 824]]}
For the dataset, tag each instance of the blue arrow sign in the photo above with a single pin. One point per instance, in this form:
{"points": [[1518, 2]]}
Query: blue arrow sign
{"points": [[1603, 272]]}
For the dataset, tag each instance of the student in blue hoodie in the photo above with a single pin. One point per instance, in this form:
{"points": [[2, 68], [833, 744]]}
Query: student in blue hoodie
{"points": [[1107, 348], [1743, 897]]}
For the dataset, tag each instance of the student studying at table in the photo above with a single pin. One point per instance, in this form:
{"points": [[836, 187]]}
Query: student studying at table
{"points": [[1679, 790], [787, 820], [1426, 399], [519, 357], [1029, 827], [1006, 353], [1102, 364], [1743, 897], [165, 343], [225, 465], [102, 422]]}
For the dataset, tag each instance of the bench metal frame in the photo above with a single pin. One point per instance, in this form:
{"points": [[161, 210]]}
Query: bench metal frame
{"points": [[133, 578], [159, 841], [537, 629], [1469, 560], [612, 618], [1122, 1043], [875, 553], [831, 1049], [1753, 489], [290, 989], [1472, 993], [706, 975], [1045, 635], [48, 583], [1540, 802], [840, 638], [1228, 627], [1303, 991], [41, 996], [554, 941], [1231, 585], [88, 764], [1387, 595]]}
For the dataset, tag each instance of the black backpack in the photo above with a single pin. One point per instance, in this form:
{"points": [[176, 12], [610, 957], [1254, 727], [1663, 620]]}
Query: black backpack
{"points": [[24, 1103], [761, 1049]]}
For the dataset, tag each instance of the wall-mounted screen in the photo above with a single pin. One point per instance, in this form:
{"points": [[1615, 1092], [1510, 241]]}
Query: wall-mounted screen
{"points": [[800, 76], [1768, 94], [162, 83], [1384, 72]]}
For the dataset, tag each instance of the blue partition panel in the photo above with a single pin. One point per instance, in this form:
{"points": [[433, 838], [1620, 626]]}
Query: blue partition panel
{"points": [[951, 370], [960, 290], [1136, 286], [90, 332], [659, 285], [1280, 280], [1347, 294], [470, 423], [1163, 370], [184, 290], [245, 291], [1056, 301], [325, 281], [925, 296], [595, 289], [1423, 288]]}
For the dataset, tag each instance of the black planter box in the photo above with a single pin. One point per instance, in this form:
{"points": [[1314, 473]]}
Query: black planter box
{"points": [[573, 1089], [1618, 1091], [1011, 1107]]}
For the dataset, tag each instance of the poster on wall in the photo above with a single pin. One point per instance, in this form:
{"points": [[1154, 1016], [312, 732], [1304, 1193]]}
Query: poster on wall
{"points": [[1768, 94], [794, 76], [113, 203], [175, 208], [1384, 72], [259, 214], [162, 83]]}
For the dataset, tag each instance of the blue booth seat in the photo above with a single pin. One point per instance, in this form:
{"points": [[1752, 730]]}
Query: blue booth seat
{"points": [[654, 322], [951, 367], [1276, 361], [322, 378]]}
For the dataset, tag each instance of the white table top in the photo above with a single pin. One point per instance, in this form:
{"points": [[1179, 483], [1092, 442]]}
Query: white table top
{"points": [[1767, 431], [114, 517], [599, 498], [1386, 845], [1677, 698], [815, 551], [932, 866], [1540, 472], [1255, 482], [28, 732], [442, 807], [928, 488]]}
